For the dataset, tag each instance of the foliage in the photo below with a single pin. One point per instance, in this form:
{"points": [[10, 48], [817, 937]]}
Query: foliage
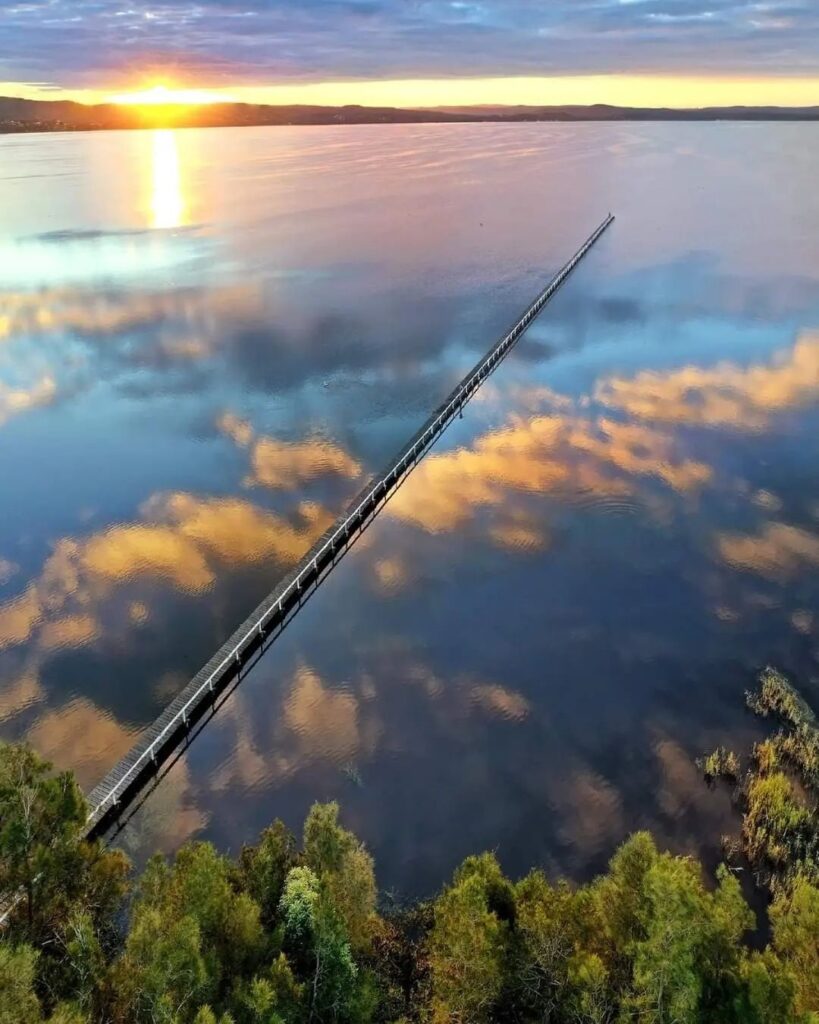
{"points": [[293, 936], [18, 1003], [469, 942], [721, 763], [779, 794]]}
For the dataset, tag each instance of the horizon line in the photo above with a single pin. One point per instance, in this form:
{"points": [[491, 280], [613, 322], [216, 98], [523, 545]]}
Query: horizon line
{"points": [[672, 91]]}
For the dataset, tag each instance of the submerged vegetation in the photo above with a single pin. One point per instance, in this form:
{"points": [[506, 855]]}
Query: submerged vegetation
{"points": [[779, 792], [292, 933]]}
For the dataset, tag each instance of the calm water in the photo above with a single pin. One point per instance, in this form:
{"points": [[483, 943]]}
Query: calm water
{"points": [[209, 339]]}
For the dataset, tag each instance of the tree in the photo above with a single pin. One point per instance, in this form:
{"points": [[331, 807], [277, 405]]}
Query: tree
{"points": [[667, 983], [58, 878], [345, 867], [162, 976], [768, 991], [469, 942], [41, 818], [18, 1003], [613, 910], [795, 921], [727, 918], [79, 974], [68, 1013], [316, 936], [197, 888], [546, 938], [264, 867]]}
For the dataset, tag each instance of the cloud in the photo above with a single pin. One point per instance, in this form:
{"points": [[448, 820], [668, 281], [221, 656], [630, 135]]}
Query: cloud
{"points": [[100, 313], [7, 570], [744, 398], [14, 401], [287, 464], [183, 542], [82, 737], [238, 430], [168, 817], [391, 573], [777, 551], [590, 810], [550, 454], [83, 41], [500, 702], [324, 720], [19, 694]]}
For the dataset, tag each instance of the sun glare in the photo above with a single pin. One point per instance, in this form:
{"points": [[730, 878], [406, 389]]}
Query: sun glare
{"points": [[167, 199], [162, 95]]}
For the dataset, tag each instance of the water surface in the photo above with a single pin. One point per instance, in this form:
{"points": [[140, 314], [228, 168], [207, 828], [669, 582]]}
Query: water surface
{"points": [[210, 339]]}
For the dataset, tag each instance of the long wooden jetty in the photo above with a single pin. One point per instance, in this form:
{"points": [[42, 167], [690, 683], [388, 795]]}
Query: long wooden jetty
{"points": [[160, 740]]}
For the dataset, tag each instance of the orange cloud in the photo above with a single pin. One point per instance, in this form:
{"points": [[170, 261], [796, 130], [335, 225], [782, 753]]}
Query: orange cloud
{"points": [[83, 738], [286, 464], [544, 454], [725, 395], [390, 573], [500, 701], [14, 401], [183, 544], [19, 694], [324, 720], [779, 550], [56, 310], [237, 429]]}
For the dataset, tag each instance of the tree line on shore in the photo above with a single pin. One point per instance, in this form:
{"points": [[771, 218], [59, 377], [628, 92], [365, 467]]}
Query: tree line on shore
{"points": [[292, 933]]}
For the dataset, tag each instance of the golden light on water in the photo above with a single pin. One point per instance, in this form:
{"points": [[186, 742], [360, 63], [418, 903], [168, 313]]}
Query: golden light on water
{"points": [[167, 194]]}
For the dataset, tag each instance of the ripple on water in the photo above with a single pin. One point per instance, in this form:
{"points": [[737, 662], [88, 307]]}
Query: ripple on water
{"points": [[613, 505]]}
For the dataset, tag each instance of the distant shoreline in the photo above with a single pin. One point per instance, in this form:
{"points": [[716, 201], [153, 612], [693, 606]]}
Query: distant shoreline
{"points": [[23, 116]]}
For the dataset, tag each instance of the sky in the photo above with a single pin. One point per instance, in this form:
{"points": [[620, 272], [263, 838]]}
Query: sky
{"points": [[417, 52]]}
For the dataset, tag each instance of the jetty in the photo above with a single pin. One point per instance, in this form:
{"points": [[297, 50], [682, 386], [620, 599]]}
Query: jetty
{"points": [[161, 739]]}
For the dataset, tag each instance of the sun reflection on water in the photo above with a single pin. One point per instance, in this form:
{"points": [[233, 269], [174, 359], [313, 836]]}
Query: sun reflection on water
{"points": [[167, 195]]}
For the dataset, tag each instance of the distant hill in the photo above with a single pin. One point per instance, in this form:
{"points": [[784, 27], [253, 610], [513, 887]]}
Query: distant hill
{"points": [[19, 115], [606, 112]]}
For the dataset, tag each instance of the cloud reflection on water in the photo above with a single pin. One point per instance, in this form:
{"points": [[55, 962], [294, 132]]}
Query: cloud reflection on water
{"points": [[726, 395], [561, 633]]}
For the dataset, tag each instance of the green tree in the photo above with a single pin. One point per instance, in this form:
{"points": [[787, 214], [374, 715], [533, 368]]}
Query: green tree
{"points": [[316, 935], [162, 977], [611, 912], [341, 861], [264, 867], [667, 985], [80, 973], [18, 1003], [795, 921], [546, 937], [469, 942], [768, 991], [69, 1013], [726, 920], [57, 878], [775, 824], [42, 853], [197, 889]]}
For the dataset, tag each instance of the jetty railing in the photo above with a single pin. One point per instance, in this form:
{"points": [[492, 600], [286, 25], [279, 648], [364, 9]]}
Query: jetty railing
{"points": [[162, 737]]}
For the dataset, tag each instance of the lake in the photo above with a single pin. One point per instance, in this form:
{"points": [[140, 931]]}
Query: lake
{"points": [[209, 340]]}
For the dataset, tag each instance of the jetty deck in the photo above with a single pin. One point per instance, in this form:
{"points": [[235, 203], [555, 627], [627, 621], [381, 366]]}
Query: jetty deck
{"points": [[159, 741]]}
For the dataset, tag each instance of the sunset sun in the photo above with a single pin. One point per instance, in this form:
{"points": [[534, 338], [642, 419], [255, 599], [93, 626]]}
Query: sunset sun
{"points": [[163, 95]]}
